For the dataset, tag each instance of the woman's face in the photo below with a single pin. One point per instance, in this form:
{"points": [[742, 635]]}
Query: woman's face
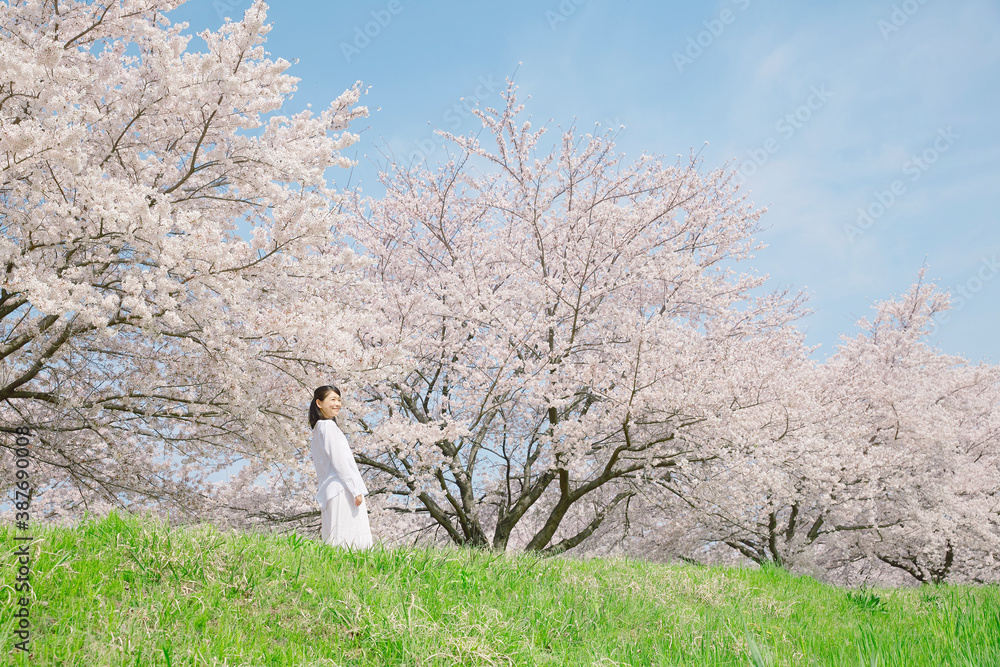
{"points": [[329, 406]]}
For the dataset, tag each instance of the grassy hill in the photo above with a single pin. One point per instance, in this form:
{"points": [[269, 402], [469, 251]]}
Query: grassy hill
{"points": [[126, 590]]}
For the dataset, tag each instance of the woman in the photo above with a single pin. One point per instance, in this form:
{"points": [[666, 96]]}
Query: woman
{"points": [[341, 489]]}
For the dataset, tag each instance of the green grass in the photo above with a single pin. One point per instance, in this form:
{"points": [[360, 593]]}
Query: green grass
{"points": [[127, 590]]}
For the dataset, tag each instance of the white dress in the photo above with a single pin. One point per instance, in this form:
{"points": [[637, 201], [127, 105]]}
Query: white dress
{"points": [[339, 482]]}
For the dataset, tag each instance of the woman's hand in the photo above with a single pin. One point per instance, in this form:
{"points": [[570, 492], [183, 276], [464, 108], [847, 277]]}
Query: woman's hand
{"points": [[357, 501]]}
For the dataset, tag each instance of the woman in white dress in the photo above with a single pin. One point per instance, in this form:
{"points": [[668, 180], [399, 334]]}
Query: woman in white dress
{"points": [[341, 489]]}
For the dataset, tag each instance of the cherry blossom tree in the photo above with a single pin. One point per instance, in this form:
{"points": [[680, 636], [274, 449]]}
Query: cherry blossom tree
{"points": [[792, 473], [887, 451], [930, 424], [144, 342], [573, 323]]}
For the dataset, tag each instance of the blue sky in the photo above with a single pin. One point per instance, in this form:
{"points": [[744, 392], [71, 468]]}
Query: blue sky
{"points": [[883, 107]]}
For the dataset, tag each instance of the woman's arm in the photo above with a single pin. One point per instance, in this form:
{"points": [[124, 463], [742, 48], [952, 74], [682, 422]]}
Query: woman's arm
{"points": [[342, 459]]}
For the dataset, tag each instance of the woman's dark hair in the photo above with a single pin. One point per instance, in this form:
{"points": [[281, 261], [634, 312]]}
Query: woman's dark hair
{"points": [[320, 395]]}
